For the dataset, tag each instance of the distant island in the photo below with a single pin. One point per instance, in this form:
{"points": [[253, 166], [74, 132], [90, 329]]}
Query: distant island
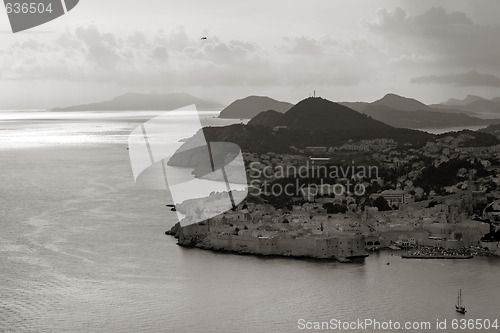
{"points": [[149, 102], [472, 104], [406, 112], [394, 110], [391, 109], [250, 106]]}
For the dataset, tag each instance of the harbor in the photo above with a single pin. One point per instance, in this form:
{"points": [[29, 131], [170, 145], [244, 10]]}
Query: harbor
{"points": [[426, 252], [435, 256]]}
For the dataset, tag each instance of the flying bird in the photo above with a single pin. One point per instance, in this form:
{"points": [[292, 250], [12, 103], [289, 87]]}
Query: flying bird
{"points": [[203, 38]]}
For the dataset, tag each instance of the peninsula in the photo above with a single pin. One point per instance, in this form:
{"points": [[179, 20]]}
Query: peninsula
{"points": [[329, 182]]}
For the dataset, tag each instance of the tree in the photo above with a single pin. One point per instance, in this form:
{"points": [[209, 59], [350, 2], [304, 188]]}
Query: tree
{"points": [[381, 204], [432, 204], [334, 208]]}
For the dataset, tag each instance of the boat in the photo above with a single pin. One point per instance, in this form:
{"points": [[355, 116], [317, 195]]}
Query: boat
{"points": [[460, 306]]}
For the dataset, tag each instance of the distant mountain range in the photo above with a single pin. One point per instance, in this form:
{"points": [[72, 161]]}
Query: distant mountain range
{"points": [[392, 101], [472, 103], [312, 122], [392, 109], [317, 122], [250, 106], [405, 112], [467, 100], [151, 102]]}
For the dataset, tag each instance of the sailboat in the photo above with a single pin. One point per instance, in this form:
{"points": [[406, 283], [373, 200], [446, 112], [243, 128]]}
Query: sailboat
{"points": [[460, 306]]}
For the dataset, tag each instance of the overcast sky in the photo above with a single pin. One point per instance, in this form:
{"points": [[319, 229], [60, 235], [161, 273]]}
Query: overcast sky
{"points": [[345, 50]]}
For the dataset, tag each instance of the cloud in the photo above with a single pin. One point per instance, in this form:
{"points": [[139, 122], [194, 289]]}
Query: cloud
{"points": [[450, 38], [432, 20], [88, 54], [303, 45], [433, 23], [101, 48], [471, 78], [173, 58], [326, 61]]}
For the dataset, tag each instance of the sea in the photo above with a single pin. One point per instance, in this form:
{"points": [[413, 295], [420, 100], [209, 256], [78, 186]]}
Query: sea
{"points": [[83, 249]]}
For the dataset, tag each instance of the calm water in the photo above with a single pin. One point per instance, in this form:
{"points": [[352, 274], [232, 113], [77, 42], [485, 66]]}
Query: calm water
{"points": [[83, 250]]}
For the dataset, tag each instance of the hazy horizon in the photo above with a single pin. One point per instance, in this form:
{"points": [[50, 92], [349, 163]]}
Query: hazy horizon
{"points": [[427, 50], [223, 105]]}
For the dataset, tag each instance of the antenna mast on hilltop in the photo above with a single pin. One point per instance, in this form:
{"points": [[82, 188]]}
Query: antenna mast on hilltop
{"points": [[314, 93]]}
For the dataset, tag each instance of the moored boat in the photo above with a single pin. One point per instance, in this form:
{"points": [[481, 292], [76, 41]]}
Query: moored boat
{"points": [[459, 307]]}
